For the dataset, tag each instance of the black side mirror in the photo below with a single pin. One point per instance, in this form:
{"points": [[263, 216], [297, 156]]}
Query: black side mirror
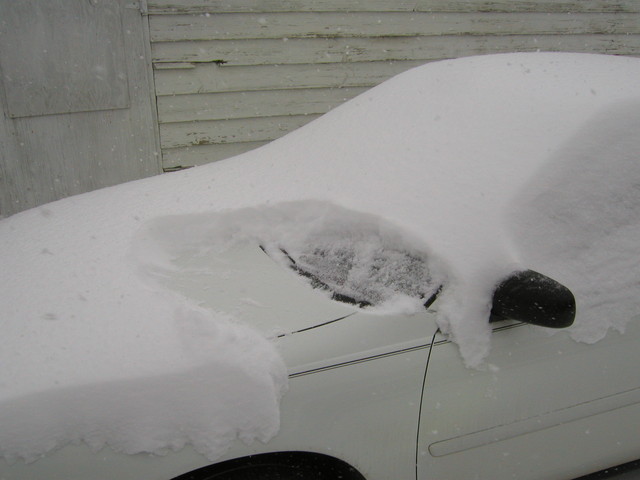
{"points": [[534, 298]]}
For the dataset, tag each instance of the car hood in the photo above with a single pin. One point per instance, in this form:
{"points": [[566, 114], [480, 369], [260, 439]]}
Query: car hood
{"points": [[312, 331], [245, 283]]}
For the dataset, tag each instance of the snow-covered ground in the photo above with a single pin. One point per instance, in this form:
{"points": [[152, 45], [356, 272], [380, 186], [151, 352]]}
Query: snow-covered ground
{"points": [[481, 165]]}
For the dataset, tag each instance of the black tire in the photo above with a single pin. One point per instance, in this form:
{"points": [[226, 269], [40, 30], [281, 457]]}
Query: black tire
{"points": [[625, 471], [277, 466]]}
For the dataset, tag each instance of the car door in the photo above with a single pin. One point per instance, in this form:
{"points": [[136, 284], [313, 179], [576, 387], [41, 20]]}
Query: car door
{"points": [[543, 406]]}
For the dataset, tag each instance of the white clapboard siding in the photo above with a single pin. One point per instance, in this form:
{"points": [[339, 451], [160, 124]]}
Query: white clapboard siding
{"points": [[231, 76], [213, 132], [266, 103], [233, 26], [180, 157], [246, 6], [334, 50], [190, 78]]}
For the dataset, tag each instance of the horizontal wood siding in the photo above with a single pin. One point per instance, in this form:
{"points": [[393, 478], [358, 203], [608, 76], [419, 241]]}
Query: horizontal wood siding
{"points": [[473, 6], [252, 104], [189, 78], [216, 132], [234, 26], [231, 76]]}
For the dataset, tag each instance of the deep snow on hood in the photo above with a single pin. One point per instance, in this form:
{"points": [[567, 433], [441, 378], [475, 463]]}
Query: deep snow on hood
{"points": [[484, 164]]}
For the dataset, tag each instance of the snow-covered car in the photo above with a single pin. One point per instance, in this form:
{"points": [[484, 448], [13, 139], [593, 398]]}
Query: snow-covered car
{"points": [[358, 300]]}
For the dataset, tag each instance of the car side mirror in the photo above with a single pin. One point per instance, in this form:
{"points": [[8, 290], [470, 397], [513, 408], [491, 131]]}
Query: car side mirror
{"points": [[533, 298]]}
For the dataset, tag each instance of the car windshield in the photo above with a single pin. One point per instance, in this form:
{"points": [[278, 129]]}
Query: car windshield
{"points": [[363, 273]]}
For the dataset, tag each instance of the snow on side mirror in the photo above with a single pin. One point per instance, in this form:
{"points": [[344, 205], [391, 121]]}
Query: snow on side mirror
{"points": [[534, 298]]}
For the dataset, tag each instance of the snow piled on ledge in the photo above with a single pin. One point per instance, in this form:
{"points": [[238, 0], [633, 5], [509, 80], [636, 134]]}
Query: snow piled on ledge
{"points": [[488, 163]]}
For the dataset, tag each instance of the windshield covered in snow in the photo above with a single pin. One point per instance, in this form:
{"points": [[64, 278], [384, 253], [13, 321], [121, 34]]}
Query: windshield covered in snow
{"points": [[364, 273]]}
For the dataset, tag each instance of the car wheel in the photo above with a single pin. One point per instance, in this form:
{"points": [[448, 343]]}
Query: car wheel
{"points": [[278, 466], [270, 472]]}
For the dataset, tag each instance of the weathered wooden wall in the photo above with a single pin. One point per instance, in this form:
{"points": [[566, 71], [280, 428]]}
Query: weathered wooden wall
{"points": [[233, 75], [77, 107]]}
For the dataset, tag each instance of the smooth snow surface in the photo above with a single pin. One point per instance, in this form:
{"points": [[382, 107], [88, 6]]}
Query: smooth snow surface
{"points": [[481, 165]]}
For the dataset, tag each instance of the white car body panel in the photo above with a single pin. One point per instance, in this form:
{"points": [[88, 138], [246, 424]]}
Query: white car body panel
{"points": [[346, 379], [345, 413], [546, 407]]}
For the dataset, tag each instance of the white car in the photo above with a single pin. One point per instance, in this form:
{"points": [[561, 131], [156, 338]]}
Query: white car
{"points": [[387, 396], [396, 282], [374, 396]]}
